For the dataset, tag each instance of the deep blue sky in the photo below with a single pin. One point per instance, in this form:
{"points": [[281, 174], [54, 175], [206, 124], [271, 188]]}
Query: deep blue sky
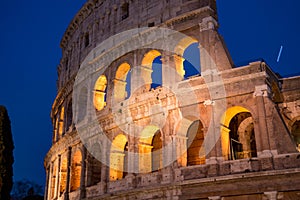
{"points": [[30, 35]]}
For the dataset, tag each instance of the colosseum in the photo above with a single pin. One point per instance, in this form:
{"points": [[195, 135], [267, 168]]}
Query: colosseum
{"points": [[137, 117]]}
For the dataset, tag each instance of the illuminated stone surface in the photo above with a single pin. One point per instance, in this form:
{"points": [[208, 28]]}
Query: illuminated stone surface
{"points": [[252, 153]]}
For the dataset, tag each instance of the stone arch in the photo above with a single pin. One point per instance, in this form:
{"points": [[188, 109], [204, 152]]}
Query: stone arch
{"points": [[63, 176], [61, 121], [247, 138], [179, 59], [69, 115], [82, 104], [237, 134], [146, 69], [53, 180], [182, 143], [55, 132], [121, 81], [149, 58], [118, 157], [191, 63], [156, 157], [295, 132], [100, 92], [150, 149], [195, 139], [76, 170]]}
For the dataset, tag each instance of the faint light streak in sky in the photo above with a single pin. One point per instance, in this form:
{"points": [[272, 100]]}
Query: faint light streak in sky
{"points": [[280, 51]]}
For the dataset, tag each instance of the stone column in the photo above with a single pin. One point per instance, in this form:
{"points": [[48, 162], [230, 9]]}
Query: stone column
{"points": [[261, 132], [119, 90], [263, 139], [48, 184], [83, 171], [132, 161], [213, 52], [105, 168], [88, 169], [145, 162], [168, 153], [225, 142], [181, 150], [58, 176], [172, 69], [140, 79], [68, 173]]}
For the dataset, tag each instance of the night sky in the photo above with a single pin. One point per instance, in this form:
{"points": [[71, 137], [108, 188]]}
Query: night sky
{"points": [[30, 36]]}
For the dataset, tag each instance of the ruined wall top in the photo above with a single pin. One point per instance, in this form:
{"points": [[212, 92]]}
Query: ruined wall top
{"points": [[112, 15]]}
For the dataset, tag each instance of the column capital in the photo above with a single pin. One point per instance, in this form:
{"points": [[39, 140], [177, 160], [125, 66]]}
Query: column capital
{"points": [[262, 90], [208, 23]]}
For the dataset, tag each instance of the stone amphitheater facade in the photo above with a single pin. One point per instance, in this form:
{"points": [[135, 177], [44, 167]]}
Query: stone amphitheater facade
{"points": [[225, 132]]}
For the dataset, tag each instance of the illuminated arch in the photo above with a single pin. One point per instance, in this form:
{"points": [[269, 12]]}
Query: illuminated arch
{"points": [[149, 58], [150, 149], [191, 63], [76, 170], [121, 81], [195, 150], [237, 134], [61, 121], [63, 176], [183, 44], [55, 132], [150, 72], [179, 58], [100, 92], [230, 113], [53, 181], [118, 157]]}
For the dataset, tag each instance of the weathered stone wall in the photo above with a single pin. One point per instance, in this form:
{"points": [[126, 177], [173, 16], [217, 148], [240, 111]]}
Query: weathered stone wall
{"points": [[218, 95]]}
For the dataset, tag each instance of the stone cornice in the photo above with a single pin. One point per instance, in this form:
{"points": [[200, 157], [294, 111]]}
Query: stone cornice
{"points": [[81, 15], [88, 8], [187, 16], [62, 94]]}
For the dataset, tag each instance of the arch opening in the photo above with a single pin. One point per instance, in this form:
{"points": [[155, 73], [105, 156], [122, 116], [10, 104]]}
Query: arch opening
{"points": [[63, 176], [191, 63], [150, 150], [156, 152], [122, 82], [76, 171], [195, 150], [237, 134], [118, 158], [100, 93], [151, 69], [61, 122], [156, 75]]}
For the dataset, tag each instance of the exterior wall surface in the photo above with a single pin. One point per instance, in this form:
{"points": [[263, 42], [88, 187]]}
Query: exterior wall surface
{"points": [[233, 132]]}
